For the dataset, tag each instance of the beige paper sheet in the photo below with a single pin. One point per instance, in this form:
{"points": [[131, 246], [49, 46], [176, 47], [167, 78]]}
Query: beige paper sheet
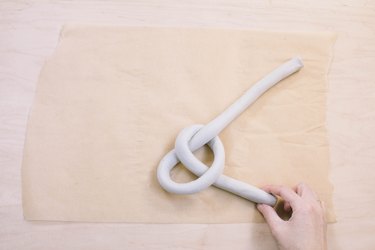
{"points": [[111, 100]]}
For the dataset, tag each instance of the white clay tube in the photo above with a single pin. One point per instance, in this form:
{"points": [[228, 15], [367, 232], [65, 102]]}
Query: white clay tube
{"points": [[194, 137]]}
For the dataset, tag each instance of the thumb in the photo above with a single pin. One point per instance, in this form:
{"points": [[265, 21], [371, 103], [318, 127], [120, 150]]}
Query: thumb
{"points": [[269, 215]]}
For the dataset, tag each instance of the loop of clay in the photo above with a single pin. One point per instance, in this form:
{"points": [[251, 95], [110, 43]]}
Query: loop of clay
{"points": [[196, 136]]}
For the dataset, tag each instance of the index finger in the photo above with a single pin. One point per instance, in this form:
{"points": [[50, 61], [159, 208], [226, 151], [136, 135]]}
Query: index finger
{"points": [[284, 192]]}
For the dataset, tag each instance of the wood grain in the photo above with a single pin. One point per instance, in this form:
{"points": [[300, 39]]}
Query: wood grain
{"points": [[29, 33]]}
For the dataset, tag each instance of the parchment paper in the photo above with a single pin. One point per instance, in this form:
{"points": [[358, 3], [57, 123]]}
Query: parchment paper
{"points": [[111, 100]]}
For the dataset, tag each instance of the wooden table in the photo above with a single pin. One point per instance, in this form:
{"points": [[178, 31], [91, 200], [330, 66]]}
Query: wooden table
{"points": [[29, 34]]}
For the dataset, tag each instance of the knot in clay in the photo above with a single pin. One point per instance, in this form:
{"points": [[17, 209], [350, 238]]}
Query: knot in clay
{"points": [[196, 136]]}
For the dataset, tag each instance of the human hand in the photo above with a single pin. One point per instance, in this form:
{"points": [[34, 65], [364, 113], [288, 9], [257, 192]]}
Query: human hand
{"points": [[306, 228]]}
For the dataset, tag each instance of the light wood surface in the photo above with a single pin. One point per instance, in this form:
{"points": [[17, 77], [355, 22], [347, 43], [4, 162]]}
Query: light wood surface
{"points": [[29, 34]]}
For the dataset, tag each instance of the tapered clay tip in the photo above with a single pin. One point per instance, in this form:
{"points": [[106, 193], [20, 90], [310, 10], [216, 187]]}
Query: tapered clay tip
{"points": [[298, 60]]}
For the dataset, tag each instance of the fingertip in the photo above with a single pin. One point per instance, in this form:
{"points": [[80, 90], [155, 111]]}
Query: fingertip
{"points": [[287, 207], [299, 188], [269, 188], [305, 190], [260, 206], [269, 214], [322, 205], [264, 208]]}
